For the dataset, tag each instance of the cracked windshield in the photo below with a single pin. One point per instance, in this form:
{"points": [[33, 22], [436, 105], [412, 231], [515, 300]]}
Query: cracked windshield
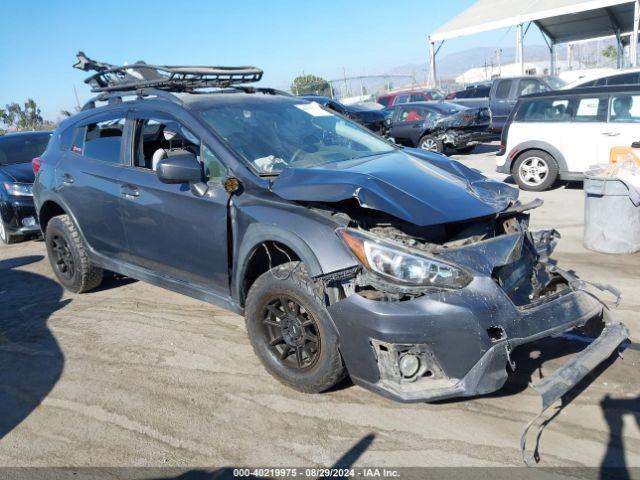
{"points": [[275, 135]]}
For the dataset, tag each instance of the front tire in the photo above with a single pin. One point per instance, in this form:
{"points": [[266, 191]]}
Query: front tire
{"points": [[291, 330], [535, 171], [68, 256], [431, 143], [6, 237]]}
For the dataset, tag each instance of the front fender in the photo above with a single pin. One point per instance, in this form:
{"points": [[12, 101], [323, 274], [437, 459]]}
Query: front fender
{"points": [[312, 239]]}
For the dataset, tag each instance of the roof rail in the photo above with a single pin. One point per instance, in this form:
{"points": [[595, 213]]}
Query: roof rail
{"points": [[116, 97], [111, 78]]}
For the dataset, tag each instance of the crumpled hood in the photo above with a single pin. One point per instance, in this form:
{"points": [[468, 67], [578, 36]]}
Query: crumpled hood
{"points": [[419, 187], [19, 172]]}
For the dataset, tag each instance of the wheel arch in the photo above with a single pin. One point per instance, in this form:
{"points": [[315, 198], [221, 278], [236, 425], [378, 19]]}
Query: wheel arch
{"points": [[264, 247], [525, 147]]}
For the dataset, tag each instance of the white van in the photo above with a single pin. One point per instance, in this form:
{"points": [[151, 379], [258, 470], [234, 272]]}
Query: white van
{"points": [[560, 134]]}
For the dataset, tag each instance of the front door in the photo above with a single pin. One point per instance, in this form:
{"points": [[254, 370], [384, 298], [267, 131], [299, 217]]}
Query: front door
{"points": [[170, 230]]}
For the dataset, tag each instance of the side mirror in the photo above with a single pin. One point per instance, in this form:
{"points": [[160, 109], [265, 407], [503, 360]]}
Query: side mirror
{"points": [[180, 166]]}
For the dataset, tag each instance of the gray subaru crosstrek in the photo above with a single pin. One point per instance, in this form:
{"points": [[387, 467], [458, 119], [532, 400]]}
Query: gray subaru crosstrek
{"points": [[346, 254]]}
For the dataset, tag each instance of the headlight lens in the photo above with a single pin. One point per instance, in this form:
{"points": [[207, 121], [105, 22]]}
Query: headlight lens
{"points": [[402, 265], [19, 189]]}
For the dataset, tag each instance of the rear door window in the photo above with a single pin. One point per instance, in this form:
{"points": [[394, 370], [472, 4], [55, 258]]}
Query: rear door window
{"points": [[625, 108], [402, 99], [103, 140], [502, 89], [417, 97]]}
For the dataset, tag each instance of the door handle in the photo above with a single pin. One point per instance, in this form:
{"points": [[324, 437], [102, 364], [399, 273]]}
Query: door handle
{"points": [[611, 134], [129, 191], [67, 179]]}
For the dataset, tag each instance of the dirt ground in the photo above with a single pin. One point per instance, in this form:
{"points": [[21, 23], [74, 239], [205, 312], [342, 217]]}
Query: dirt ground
{"points": [[133, 375]]}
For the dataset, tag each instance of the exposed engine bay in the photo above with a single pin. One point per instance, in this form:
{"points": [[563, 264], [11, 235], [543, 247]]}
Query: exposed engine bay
{"points": [[525, 276]]}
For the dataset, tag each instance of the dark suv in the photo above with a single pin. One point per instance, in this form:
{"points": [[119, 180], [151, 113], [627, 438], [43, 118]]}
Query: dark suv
{"points": [[346, 254]]}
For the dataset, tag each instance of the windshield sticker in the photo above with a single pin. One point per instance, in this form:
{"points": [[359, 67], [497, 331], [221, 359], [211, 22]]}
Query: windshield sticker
{"points": [[314, 109]]}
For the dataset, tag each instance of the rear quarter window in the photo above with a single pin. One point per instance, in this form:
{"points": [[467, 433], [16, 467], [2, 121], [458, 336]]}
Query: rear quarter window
{"points": [[544, 110], [103, 140]]}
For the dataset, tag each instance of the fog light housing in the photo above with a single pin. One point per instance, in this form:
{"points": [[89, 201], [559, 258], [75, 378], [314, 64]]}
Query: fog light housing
{"points": [[409, 365], [28, 221]]}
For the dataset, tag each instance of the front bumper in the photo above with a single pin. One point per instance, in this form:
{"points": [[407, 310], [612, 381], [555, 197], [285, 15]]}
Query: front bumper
{"points": [[465, 337], [19, 216]]}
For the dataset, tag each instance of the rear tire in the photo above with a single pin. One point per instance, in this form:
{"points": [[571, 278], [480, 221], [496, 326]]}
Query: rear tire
{"points": [[291, 330], [431, 143], [68, 256], [535, 171]]}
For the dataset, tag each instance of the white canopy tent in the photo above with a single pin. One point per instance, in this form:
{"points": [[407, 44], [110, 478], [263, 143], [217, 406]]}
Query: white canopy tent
{"points": [[560, 21]]}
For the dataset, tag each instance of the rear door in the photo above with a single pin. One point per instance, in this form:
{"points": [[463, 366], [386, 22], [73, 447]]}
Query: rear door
{"points": [[88, 177], [170, 230]]}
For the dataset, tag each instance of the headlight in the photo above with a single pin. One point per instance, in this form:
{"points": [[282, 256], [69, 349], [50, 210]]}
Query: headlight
{"points": [[402, 265], [19, 189]]}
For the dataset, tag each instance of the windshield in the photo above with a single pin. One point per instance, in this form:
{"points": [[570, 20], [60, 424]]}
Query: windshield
{"points": [[555, 82], [22, 148], [272, 134]]}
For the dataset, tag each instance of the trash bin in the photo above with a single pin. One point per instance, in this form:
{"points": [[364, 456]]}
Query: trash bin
{"points": [[611, 220]]}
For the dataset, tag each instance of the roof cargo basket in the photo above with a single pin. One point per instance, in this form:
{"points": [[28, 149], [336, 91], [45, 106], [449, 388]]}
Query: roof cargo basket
{"points": [[112, 78]]}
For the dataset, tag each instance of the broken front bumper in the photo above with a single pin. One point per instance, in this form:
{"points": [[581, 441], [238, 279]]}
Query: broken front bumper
{"points": [[462, 338]]}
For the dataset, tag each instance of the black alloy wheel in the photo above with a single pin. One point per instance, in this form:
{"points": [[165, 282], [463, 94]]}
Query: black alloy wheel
{"points": [[62, 257], [291, 332]]}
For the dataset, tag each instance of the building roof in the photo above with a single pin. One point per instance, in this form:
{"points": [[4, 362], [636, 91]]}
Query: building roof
{"points": [[561, 20]]}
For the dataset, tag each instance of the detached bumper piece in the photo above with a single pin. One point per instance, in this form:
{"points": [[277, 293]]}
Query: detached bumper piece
{"points": [[555, 386]]}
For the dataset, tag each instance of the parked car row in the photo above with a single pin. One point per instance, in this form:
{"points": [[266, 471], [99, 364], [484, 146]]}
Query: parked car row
{"points": [[17, 213]]}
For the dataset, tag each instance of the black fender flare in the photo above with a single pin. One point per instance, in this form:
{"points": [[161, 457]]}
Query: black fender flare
{"points": [[537, 145], [255, 235]]}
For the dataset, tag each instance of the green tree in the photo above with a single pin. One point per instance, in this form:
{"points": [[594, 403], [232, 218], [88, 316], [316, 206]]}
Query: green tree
{"points": [[610, 52], [310, 85], [23, 117]]}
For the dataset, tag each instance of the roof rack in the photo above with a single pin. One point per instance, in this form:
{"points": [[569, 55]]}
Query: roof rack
{"points": [[111, 78]]}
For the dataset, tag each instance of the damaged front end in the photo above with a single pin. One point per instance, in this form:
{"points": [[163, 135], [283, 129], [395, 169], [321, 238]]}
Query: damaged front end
{"points": [[465, 128], [446, 326], [448, 278]]}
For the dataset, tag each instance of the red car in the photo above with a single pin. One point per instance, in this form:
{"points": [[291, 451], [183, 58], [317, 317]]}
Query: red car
{"points": [[395, 98]]}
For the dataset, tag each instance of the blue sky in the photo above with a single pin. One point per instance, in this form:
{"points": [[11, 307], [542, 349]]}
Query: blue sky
{"points": [[284, 37]]}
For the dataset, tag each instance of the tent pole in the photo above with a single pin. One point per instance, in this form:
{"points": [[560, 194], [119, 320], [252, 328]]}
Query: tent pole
{"points": [[552, 59], [633, 47], [520, 47], [432, 62]]}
